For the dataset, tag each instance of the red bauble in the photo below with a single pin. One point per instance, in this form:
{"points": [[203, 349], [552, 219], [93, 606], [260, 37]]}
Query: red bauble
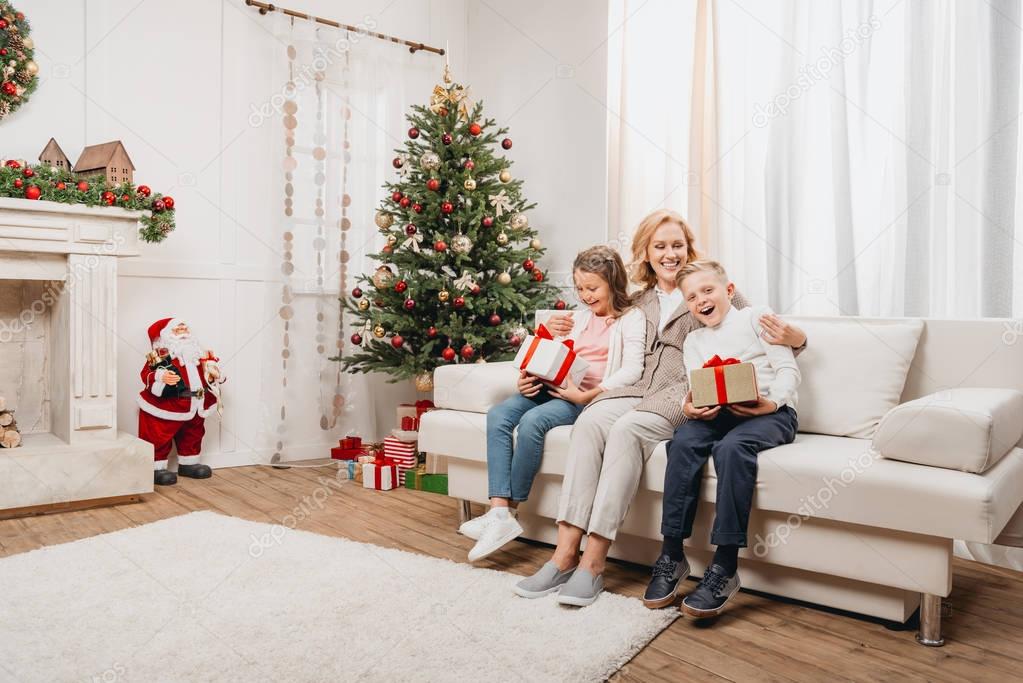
{"points": [[8, 88], [12, 163], [396, 196], [143, 190], [538, 275], [447, 207], [28, 173], [357, 293], [397, 341], [397, 162], [3, 24], [168, 203], [431, 332], [32, 192], [60, 185], [448, 354], [400, 286], [411, 229], [475, 129], [379, 303], [432, 184], [560, 305], [528, 264], [387, 249], [488, 221], [506, 143], [413, 133], [410, 304], [475, 289], [125, 199], [458, 302], [446, 138], [468, 352], [158, 205], [515, 340], [440, 246], [418, 208], [443, 111], [469, 164], [494, 320], [108, 198], [19, 183], [3, 51], [404, 202], [82, 186], [357, 339]]}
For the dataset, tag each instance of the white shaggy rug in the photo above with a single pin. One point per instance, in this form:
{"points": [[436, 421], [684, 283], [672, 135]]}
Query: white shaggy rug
{"points": [[204, 597]]}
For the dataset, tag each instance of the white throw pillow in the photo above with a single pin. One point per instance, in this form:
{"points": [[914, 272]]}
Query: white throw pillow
{"points": [[957, 429], [853, 370]]}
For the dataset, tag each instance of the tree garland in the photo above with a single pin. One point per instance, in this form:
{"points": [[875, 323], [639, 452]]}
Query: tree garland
{"points": [[46, 183], [18, 72]]}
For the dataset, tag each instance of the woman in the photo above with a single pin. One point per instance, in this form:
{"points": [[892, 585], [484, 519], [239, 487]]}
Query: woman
{"points": [[630, 422]]}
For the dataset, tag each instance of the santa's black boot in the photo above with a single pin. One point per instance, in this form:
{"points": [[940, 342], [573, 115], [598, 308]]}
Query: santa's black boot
{"points": [[197, 471], [164, 477]]}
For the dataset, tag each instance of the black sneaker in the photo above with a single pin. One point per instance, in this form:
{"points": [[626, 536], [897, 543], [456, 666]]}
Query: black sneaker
{"points": [[713, 593], [663, 586]]}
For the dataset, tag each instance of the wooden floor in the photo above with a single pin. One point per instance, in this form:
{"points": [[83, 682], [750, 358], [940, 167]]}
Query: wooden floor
{"points": [[758, 638]]}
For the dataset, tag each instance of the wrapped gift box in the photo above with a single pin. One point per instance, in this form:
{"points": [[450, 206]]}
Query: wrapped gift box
{"points": [[723, 381], [419, 480], [349, 448], [381, 475], [404, 453], [550, 360], [409, 414], [351, 470]]}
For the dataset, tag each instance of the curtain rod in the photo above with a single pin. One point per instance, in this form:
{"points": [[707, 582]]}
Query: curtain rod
{"points": [[264, 8]]}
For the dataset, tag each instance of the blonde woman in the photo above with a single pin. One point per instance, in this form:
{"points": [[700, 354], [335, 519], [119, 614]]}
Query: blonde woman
{"points": [[627, 424]]}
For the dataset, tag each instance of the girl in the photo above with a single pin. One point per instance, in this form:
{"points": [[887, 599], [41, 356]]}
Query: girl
{"points": [[609, 334]]}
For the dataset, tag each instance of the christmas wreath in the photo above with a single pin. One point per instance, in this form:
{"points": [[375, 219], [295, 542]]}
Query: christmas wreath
{"points": [[46, 183], [18, 73]]}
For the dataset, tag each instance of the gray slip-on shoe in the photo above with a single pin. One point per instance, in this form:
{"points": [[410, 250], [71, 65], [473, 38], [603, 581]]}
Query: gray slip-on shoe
{"points": [[582, 589], [547, 580]]}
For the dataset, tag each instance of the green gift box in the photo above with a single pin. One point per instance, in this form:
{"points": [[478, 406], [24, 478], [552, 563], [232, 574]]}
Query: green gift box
{"points": [[418, 480]]}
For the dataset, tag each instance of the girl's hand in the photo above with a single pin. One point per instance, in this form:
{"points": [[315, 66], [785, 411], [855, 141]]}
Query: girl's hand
{"points": [[573, 394], [762, 407], [529, 386], [694, 413], [777, 331], [560, 325]]}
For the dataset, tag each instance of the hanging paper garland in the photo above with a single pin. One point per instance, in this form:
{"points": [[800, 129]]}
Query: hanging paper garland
{"points": [[19, 74]]}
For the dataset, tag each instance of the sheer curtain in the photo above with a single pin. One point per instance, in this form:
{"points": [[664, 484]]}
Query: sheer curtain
{"points": [[855, 157], [337, 112]]}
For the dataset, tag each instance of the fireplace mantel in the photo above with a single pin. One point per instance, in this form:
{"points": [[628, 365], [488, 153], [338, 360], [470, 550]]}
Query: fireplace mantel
{"points": [[83, 455]]}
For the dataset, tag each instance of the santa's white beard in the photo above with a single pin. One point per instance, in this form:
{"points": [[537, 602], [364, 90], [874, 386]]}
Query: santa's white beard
{"points": [[183, 348]]}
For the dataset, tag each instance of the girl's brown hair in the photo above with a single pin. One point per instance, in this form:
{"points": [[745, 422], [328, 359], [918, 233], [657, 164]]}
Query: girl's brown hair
{"points": [[642, 272], [606, 263]]}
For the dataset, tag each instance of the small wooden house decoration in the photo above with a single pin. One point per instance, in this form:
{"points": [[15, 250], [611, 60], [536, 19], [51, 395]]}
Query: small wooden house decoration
{"points": [[53, 155], [108, 160]]}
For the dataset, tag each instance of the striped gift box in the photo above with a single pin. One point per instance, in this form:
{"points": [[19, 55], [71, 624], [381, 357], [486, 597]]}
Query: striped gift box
{"points": [[403, 453]]}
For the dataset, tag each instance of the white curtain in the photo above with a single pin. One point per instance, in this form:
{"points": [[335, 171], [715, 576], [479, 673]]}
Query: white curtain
{"points": [[338, 114], [855, 157]]}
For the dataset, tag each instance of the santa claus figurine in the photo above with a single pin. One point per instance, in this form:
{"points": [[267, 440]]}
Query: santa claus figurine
{"points": [[181, 388]]}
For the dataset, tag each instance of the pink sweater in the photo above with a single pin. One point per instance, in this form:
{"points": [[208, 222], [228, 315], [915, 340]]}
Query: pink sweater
{"points": [[592, 344]]}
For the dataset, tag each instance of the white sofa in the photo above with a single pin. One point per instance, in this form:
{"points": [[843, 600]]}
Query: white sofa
{"points": [[834, 522]]}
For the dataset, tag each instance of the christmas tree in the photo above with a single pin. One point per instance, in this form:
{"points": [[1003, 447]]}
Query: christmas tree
{"points": [[458, 280]]}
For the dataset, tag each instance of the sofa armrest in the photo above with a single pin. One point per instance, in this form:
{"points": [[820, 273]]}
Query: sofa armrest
{"points": [[474, 387], [958, 429]]}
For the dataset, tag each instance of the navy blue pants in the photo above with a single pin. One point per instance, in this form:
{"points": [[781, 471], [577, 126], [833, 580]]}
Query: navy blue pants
{"points": [[734, 443]]}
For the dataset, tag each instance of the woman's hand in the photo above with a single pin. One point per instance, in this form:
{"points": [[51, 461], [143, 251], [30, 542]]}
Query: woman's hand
{"points": [[762, 407], [529, 386], [574, 394], [777, 331], [560, 325], [694, 413]]}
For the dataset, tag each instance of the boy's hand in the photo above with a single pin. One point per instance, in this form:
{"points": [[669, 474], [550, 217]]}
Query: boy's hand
{"points": [[761, 407], [777, 331], [694, 413], [529, 386]]}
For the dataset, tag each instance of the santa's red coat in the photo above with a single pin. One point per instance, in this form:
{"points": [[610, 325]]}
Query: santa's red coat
{"points": [[177, 408]]}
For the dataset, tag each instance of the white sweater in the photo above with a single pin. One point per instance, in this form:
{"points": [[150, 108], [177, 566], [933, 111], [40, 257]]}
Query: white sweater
{"points": [[626, 345], [738, 336]]}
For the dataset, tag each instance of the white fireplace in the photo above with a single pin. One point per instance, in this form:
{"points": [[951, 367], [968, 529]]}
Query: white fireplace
{"points": [[58, 355]]}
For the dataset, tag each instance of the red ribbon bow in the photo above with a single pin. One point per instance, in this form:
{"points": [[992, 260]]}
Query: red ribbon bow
{"points": [[719, 364], [378, 468]]}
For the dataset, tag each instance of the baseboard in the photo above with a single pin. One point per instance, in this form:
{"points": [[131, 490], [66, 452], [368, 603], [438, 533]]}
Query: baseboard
{"points": [[51, 508]]}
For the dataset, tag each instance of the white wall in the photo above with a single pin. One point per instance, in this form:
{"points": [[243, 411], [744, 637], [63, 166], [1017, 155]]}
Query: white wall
{"points": [[175, 82]]}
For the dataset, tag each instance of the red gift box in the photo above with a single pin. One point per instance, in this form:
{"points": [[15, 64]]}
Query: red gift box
{"points": [[351, 442], [349, 448]]}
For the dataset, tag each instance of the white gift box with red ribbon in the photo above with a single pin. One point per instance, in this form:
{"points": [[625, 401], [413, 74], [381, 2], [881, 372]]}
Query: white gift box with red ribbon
{"points": [[381, 475], [549, 359]]}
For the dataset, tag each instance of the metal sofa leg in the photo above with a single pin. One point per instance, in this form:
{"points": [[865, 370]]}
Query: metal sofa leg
{"points": [[930, 621], [464, 511]]}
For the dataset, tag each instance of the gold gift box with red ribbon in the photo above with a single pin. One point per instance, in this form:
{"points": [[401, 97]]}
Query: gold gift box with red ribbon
{"points": [[723, 381]]}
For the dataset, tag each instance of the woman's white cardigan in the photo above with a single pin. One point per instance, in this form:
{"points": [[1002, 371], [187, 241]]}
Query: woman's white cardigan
{"points": [[625, 349]]}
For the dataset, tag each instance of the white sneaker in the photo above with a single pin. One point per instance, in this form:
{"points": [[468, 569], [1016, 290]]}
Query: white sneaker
{"points": [[495, 535], [474, 527]]}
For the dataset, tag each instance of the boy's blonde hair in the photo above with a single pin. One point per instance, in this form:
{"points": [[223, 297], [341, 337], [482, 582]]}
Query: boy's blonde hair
{"points": [[701, 266], [606, 263], [642, 272]]}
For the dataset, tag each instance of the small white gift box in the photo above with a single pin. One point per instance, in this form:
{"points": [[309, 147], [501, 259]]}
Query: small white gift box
{"points": [[550, 360]]}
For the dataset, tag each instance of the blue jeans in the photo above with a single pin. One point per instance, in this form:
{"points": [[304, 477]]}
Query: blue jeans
{"points": [[511, 467]]}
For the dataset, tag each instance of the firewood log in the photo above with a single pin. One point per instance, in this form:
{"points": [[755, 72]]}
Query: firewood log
{"points": [[11, 438], [6, 418]]}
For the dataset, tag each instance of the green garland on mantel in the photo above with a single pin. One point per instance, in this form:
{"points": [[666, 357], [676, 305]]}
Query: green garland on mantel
{"points": [[41, 182]]}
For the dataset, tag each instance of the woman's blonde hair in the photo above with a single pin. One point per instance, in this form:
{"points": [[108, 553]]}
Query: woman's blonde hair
{"points": [[641, 270], [606, 263]]}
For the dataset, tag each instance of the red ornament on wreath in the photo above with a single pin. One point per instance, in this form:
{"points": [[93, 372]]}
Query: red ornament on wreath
{"points": [[400, 286], [397, 341], [125, 198], [82, 186], [19, 183], [447, 207], [61, 185], [432, 184], [475, 129], [108, 198], [32, 192], [468, 352], [143, 190], [448, 354], [168, 203], [28, 173], [8, 88], [12, 163], [159, 206]]}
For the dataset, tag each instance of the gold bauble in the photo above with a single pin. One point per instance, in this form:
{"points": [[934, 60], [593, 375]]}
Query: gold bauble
{"points": [[443, 296], [424, 381], [383, 220], [504, 279], [379, 331], [31, 67], [363, 304], [535, 243], [392, 240], [28, 43], [505, 176], [519, 221], [469, 184], [502, 238], [382, 277]]}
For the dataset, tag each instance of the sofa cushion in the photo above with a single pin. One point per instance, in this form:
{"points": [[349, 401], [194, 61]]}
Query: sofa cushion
{"points": [[961, 429], [473, 387], [853, 372]]}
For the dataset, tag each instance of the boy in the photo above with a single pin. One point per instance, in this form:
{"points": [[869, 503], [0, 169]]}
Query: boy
{"points": [[733, 435]]}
